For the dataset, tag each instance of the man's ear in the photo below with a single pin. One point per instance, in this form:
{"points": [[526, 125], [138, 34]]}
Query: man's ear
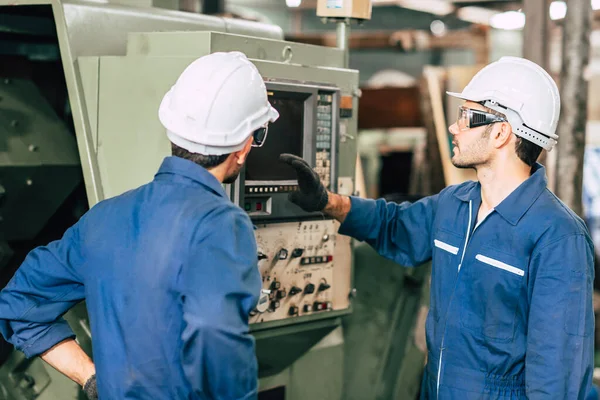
{"points": [[242, 154], [503, 135]]}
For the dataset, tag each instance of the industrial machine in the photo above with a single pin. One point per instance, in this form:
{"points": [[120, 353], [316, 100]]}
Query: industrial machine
{"points": [[79, 96]]}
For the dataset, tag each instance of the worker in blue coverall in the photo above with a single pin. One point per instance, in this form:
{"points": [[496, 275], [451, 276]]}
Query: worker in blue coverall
{"points": [[512, 267], [168, 270]]}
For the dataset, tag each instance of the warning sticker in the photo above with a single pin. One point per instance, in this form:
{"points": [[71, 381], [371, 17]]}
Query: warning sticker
{"points": [[335, 3]]}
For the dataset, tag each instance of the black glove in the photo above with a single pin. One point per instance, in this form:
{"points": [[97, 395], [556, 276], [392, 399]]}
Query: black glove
{"points": [[90, 388], [312, 195]]}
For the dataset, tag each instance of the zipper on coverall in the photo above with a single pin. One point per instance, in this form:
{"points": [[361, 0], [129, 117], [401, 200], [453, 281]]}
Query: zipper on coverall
{"points": [[459, 265]]}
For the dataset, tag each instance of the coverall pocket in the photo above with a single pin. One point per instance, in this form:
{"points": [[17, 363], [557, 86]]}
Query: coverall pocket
{"points": [[579, 319], [447, 247], [493, 286]]}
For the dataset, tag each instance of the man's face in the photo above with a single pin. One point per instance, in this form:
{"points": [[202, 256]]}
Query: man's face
{"points": [[471, 147]]}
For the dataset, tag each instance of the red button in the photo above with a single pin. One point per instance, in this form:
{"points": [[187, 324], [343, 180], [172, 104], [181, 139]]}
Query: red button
{"points": [[258, 206]]}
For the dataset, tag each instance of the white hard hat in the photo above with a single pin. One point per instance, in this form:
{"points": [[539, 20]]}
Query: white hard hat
{"points": [[216, 104], [524, 92]]}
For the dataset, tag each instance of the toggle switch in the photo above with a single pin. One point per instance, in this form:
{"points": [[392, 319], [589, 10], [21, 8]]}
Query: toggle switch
{"points": [[323, 286], [283, 254], [297, 253], [293, 311], [310, 288], [274, 305], [261, 256], [275, 285], [281, 294], [295, 290]]}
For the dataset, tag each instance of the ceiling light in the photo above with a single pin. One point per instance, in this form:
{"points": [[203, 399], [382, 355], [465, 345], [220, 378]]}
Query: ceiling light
{"points": [[558, 10], [510, 20], [437, 7], [293, 3]]}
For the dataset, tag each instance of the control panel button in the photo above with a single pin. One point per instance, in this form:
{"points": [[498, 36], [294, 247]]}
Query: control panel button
{"points": [[281, 294], [275, 285], [293, 310], [263, 301], [323, 286], [274, 305], [310, 288], [282, 254], [297, 253], [261, 256], [295, 290], [306, 308]]}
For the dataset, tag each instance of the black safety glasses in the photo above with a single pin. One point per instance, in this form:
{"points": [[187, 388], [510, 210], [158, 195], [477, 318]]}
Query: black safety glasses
{"points": [[469, 118], [260, 136]]}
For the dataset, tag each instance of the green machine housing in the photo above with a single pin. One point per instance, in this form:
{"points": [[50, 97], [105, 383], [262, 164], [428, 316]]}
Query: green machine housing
{"points": [[79, 95]]}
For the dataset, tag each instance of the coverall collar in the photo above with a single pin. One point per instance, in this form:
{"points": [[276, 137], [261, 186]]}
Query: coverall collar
{"points": [[519, 201], [194, 172]]}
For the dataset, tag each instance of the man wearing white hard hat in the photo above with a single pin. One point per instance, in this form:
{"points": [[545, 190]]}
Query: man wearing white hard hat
{"points": [[168, 270], [511, 313]]}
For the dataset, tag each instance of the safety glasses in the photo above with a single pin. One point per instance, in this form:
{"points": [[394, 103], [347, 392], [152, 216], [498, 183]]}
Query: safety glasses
{"points": [[260, 136], [469, 118]]}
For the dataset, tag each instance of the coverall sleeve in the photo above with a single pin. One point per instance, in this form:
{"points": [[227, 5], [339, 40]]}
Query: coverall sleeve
{"points": [[220, 286], [44, 287], [400, 232], [560, 338]]}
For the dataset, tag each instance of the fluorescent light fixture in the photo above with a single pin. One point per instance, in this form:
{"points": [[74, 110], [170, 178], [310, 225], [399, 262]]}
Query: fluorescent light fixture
{"points": [[510, 20], [476, 15], [293, 3], [437, 7], [558, 10], [596, 4]]}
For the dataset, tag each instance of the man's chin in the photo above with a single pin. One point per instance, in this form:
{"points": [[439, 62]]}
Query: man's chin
{"points": [[459, 164], [230, 179]]}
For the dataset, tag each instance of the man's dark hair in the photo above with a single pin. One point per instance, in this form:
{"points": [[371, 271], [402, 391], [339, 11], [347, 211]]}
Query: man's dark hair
{"points": [[200, 159], [527, 151]]}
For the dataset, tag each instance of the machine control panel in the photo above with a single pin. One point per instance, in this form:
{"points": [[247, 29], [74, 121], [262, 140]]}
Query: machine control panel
{"points": [[305, 269], [325, 127]]}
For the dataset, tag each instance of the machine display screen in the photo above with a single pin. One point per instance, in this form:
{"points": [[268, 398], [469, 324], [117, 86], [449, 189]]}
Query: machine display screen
{"points": [[286, 135]]}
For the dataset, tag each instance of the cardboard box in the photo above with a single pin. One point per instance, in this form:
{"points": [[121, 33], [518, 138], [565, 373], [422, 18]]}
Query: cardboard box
{"points": [[359, 9]]}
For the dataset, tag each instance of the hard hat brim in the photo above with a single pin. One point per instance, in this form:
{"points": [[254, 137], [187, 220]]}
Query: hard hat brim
{"points": [[463, 97]]}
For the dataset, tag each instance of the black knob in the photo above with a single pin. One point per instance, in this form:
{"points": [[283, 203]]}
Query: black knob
{"points": [[283, 254], [310, 288], [293, 310], [297, 253], [275, 285], [323, 286], [306, 308], [295, 290], [281, 294]]}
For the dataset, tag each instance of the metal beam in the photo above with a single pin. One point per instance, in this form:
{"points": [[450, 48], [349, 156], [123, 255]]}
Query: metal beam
{"points": [[537, 31], [574, 96], [475, 38]]}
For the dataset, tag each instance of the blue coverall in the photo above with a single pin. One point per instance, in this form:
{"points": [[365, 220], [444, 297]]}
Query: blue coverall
{"points": [[511, 313], [169, 274]]}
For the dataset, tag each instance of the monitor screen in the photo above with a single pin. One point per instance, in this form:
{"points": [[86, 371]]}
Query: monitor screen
{"points": [[286, 135]]}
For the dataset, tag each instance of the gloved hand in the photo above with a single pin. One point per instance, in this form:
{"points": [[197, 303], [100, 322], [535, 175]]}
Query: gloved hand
{"points": [[312, 195], [90, 388]]}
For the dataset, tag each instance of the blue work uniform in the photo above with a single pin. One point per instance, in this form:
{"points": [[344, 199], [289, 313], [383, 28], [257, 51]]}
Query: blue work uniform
{"points": [[511, 313], [169, 274]]}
